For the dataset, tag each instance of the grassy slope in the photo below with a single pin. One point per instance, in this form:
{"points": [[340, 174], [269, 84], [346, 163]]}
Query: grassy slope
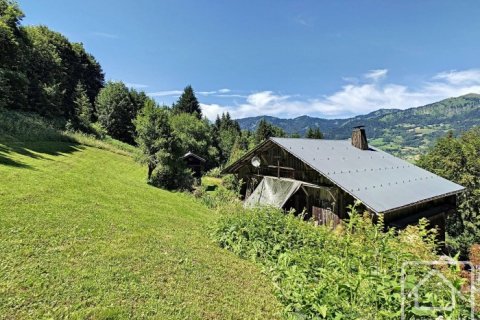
{"points": [[82, 234]]}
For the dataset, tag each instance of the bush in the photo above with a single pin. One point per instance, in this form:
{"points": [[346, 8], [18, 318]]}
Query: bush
{"points": [[353, 272], [222, 199], [215, 173], [172, 178], [232, 183]]}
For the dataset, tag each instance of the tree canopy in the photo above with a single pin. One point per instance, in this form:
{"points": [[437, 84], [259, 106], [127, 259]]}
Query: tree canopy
{"points": [[225, 132], [116, 111], [194, 135], [188, 103], [267, 130], [314, 133], [458, 159], [40, 68]]}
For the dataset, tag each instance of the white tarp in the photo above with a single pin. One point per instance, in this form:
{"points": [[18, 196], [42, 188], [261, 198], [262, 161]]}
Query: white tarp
{"points": [[273, 191]]}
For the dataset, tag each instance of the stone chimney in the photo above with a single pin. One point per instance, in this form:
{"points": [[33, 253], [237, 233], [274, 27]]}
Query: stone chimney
{"points": [[359, 138]]}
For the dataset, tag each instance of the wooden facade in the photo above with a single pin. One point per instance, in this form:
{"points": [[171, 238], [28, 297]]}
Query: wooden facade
{"points": [[195, 163], [277, 162]]}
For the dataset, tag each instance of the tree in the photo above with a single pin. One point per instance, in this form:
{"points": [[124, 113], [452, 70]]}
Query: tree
{"points": [[153, 135], [55, 67], [83, 108], [161, 149], [13, 80], [139, 98], [52, 72], [40, 68], [188, 103], [89, 72], [194, 135], [116, 111], [244, 142], [457, 159], [314, 133], [225, 132], [267, 130]]}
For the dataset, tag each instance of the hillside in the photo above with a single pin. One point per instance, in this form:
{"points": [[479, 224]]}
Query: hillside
{"points": [[83, 236], [402, 132]]}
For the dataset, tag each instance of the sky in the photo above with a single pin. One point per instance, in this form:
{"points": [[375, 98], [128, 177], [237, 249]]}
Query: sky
{"points": [[330, 59]]}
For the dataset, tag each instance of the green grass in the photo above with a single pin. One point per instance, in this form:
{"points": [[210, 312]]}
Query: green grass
{"points": [[211, 181], [83, 236]]}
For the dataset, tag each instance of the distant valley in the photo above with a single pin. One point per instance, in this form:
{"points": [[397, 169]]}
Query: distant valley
{"points": [[405, 133]]}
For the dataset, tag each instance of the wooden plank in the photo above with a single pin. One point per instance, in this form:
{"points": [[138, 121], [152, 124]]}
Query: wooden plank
{"points": [[325, 217]]}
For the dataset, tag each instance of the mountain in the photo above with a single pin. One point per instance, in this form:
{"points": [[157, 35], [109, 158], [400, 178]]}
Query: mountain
{"points": [[405, 133]]}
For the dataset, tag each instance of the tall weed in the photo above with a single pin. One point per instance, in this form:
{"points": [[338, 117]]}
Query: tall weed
{"points": [[352, 272]]}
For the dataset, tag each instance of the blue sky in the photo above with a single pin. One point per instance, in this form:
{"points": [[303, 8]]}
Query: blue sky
{"points": [[281, 58]]}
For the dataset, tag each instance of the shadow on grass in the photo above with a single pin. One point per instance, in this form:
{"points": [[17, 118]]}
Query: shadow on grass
{"points": [[34, 150]]}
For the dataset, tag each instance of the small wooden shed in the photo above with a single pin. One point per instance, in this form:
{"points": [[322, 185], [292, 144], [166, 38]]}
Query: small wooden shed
{"points": [[325, 176], [195, 163]]}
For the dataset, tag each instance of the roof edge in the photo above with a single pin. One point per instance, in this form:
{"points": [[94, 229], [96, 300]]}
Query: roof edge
{"points": [[246, 155], [425, 200]]}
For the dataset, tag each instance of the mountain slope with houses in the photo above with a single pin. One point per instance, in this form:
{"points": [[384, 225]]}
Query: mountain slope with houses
{"points": [[405, 133]]}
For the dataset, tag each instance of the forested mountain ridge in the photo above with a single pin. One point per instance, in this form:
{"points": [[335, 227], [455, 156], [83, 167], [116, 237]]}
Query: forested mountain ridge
{"points": [[406, 133]]}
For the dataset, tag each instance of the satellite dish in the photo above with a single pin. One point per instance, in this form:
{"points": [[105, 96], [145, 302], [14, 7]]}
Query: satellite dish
{"points": [[256, 162]]}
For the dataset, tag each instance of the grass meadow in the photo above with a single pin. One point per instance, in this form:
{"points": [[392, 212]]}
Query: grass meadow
{"points": [[82, 236]]}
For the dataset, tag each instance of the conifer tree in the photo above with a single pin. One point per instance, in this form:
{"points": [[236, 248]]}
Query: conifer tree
{"points": [[314, 133], [83, 108], [188, 103]]}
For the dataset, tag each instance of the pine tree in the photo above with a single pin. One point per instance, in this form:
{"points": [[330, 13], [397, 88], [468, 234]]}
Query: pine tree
{"points": [[314, 133], [83, 108], [188, 103], [267, 130]]}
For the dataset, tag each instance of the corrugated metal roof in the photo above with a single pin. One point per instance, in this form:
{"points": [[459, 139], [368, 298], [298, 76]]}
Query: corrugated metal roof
{"points": [[379, 180]]}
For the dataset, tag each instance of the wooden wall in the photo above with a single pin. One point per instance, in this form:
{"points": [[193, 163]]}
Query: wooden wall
{"points": [[293, 168]]}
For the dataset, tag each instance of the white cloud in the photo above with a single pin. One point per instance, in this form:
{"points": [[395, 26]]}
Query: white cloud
{"points": [[165, 93], [206, 93], [231, 96], [376, 74], [136, 85], [222, 93], [471, 76], [354, 98], [106, 35], [212, 110]]}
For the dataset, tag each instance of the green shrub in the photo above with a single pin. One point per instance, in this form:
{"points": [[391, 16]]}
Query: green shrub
{"points": [[215, 173], [352, 272], [222, 199], [172, 178], [232, 183]]}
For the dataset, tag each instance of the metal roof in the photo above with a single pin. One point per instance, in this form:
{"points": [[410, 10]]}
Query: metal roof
{"points": [[379, 180], [191, 154]]}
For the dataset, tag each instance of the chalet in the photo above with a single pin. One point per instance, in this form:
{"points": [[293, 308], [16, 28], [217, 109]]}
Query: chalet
{"points": [[323, 177], [195, 163]]}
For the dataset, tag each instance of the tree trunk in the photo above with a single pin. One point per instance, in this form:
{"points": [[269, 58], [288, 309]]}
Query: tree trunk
{"points": [[150, 170]]}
